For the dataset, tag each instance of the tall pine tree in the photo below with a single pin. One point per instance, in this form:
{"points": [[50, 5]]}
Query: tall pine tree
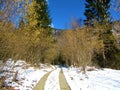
{"points": [[97, 10], [38, 15]]}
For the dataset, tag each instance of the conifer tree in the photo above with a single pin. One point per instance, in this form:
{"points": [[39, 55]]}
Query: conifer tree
{"points": [[38, 14], [22, 23], [97, 10]]}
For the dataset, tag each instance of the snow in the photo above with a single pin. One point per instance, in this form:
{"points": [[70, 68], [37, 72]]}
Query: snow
{"points": [[21, 76], [106, 79], [26, 77], [31, 79], [52, 82]]}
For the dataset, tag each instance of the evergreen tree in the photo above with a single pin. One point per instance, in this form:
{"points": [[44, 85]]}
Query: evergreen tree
{"points": [[22, 23], [97, 10], [38, 14]]}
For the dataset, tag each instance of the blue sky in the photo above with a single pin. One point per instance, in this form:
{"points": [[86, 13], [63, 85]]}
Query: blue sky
{"points": [[63, 11]]}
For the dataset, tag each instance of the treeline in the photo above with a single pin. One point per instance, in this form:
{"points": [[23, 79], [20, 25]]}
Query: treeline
{"points": [[32, 39], [78, 47], [31, 45], [34, 42], [89, 46]]}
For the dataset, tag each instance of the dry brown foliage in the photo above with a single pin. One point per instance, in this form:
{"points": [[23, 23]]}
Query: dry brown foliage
{"points": [[78, 46]]}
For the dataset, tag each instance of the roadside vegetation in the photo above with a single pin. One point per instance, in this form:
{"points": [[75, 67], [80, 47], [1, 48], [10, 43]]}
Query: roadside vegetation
{"points": [[32, 39]]}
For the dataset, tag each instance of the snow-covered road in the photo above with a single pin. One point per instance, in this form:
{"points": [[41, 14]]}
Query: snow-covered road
{"points": [[21, 76], [52, 82]]}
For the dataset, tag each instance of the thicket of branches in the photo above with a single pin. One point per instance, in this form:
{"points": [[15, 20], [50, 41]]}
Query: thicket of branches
{"points": [[78, 46], [33, 42], [32, 45]]}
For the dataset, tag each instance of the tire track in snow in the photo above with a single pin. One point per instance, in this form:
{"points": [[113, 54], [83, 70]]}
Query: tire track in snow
{"points": [[41, 83], [52, 82]]}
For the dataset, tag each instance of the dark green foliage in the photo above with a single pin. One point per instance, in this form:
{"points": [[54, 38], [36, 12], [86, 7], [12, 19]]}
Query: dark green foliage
{"points": [[117, 61], [109, 47], [97, 11], [110, 56], [38, 15], [22, 23], [59, 60], [111, 51], [43, 18]]}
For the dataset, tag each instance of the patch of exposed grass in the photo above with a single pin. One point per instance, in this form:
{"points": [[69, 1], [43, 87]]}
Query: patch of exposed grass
{"points": [[63, 83]]}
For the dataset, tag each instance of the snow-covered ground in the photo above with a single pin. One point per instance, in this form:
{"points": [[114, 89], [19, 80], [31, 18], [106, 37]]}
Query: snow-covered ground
{"points": [[106, 79], [21, 75], [52, 82]]}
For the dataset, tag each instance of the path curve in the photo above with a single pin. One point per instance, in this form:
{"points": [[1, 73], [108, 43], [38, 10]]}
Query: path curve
{"points": [[41, 83]]}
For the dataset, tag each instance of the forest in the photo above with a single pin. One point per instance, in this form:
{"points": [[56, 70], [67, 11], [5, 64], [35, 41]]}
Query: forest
{"points": [[97, 43]]}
